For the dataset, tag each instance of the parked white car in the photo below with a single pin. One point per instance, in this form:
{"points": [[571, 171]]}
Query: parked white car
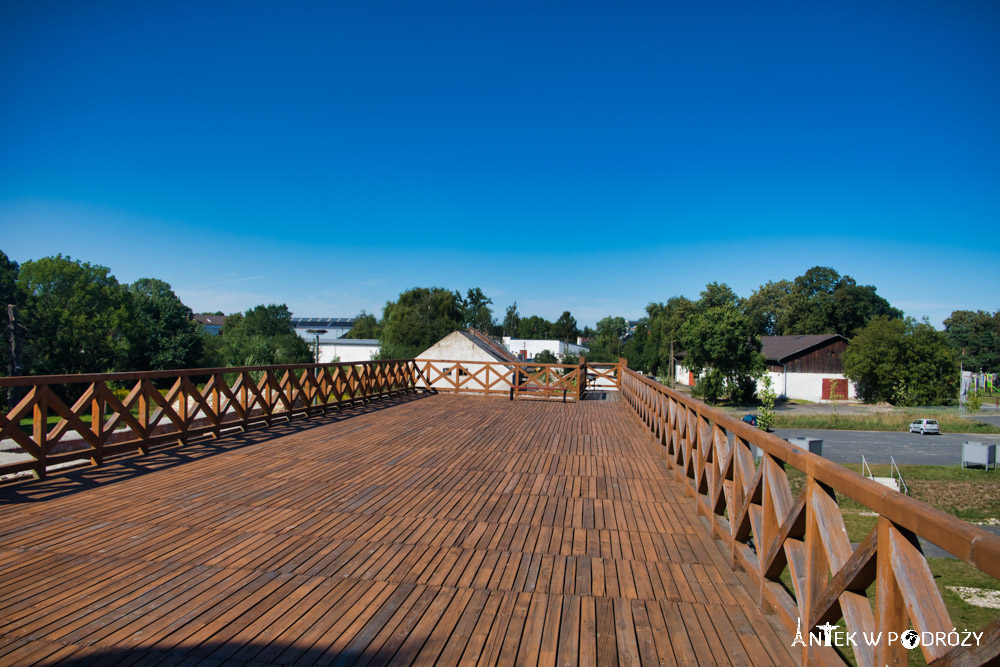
{"points": [[925, 426]]}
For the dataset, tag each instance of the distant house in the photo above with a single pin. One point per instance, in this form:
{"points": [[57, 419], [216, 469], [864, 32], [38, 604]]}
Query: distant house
{"points": [[210, 324], [467, 346], [526, 349], [808, 367]]}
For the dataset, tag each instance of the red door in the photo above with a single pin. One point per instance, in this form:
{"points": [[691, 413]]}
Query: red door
{"points": [[834, 389]]}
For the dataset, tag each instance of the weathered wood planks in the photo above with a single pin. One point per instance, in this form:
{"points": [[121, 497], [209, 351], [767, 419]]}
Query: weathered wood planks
{"points": [[447, 529]]}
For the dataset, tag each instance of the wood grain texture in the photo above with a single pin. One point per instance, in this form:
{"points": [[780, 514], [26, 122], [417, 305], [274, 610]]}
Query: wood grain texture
{"points": [[427, 529]]}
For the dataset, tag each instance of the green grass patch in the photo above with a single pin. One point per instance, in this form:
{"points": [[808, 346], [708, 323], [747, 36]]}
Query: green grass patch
{"points": [[881, 421], [28, 423]]}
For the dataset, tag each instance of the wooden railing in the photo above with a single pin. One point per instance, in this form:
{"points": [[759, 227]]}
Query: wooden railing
{"points": [[882, 585], [498, 377], [120, 413]]}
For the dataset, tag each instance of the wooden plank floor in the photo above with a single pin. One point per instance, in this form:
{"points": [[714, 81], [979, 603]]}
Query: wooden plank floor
{"points": [[426, 530]]}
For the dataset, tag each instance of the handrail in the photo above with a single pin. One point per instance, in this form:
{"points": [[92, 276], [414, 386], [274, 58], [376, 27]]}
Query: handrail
{"points": [[865, 470], [752, 509], [899, 474], [498, 377], [141, 416]]}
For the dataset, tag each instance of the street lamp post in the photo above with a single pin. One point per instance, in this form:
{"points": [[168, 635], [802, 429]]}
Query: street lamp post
{"points": [[317, 333]]}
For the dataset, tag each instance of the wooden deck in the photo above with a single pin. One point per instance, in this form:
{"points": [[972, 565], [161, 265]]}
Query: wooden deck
{"points": [[427, 529]]}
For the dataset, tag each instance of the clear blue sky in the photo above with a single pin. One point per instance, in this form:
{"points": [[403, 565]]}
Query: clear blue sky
{"points": [[567, 155]]}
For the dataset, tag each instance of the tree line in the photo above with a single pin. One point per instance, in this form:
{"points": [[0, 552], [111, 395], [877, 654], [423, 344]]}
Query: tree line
{"points": [[890, 358], [75, 317], [421, 316]]}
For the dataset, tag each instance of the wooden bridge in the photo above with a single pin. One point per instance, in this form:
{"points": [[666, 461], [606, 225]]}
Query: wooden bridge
{"points": [[399, 525]]}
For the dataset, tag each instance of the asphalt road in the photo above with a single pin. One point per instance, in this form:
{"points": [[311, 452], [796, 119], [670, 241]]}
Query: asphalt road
{"points": [[877, 446]]}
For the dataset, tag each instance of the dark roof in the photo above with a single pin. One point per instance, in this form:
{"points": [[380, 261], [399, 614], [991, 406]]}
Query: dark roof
{"points": [[779, 348], [210, 320], [323, 322], [487, 344]]}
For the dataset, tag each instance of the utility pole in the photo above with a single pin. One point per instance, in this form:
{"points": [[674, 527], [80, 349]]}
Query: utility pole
{"points": [[672, 371]]}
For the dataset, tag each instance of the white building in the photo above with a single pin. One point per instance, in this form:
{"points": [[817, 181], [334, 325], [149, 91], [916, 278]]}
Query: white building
{"points": [[347, 349], [804, 367], [468, 347], [526, 349]]}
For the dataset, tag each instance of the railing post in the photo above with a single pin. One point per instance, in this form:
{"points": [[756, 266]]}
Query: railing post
{"points": [[97, 425], [890, 608], [622, 365], [40, 419], [143, 416], [581, 382]]}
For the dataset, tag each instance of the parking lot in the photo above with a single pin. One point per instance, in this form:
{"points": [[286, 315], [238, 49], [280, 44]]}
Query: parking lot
{"points": [[877, 446]]}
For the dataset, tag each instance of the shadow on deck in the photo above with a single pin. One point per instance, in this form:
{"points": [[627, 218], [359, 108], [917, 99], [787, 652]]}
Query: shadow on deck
{"points": [[418, 530]]}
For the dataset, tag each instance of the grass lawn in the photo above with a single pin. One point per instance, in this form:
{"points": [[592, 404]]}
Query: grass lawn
{"points": [[883, 421]]}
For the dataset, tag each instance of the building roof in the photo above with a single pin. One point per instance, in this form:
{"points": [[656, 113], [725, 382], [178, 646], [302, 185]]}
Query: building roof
{"points": [[779, 348], [488, 345], [210, 320], [361, 342], [323, 322]]}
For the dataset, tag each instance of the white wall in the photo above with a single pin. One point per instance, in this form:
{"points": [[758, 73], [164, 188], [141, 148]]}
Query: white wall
{"points": [[807, 386], [456, 347], [346, 351], [534, 347]]}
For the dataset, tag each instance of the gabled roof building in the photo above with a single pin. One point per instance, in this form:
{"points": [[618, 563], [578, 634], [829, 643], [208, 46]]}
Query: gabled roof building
{"points": [[808, 367]]}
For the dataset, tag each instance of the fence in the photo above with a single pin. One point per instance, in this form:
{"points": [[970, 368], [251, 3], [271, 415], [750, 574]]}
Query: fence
{"points": [[882, 585], [120, 413], [496, 377]]}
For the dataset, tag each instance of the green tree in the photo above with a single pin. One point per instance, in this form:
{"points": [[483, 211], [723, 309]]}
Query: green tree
{"points": [[565, 328], [902, 362], [366, 326], [975, 336], [476, 311], [160, 333], [570, 359], [74, 314], [767, 395], [609, 340], [419, 318], [263, 336], [973, 402], [854, 306], [511, 321], [534, 327], [766, 307], [640, 349], [821, 301], [722, 348], [665, 323], [546, 357], [718, 295], [8, 296]]}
